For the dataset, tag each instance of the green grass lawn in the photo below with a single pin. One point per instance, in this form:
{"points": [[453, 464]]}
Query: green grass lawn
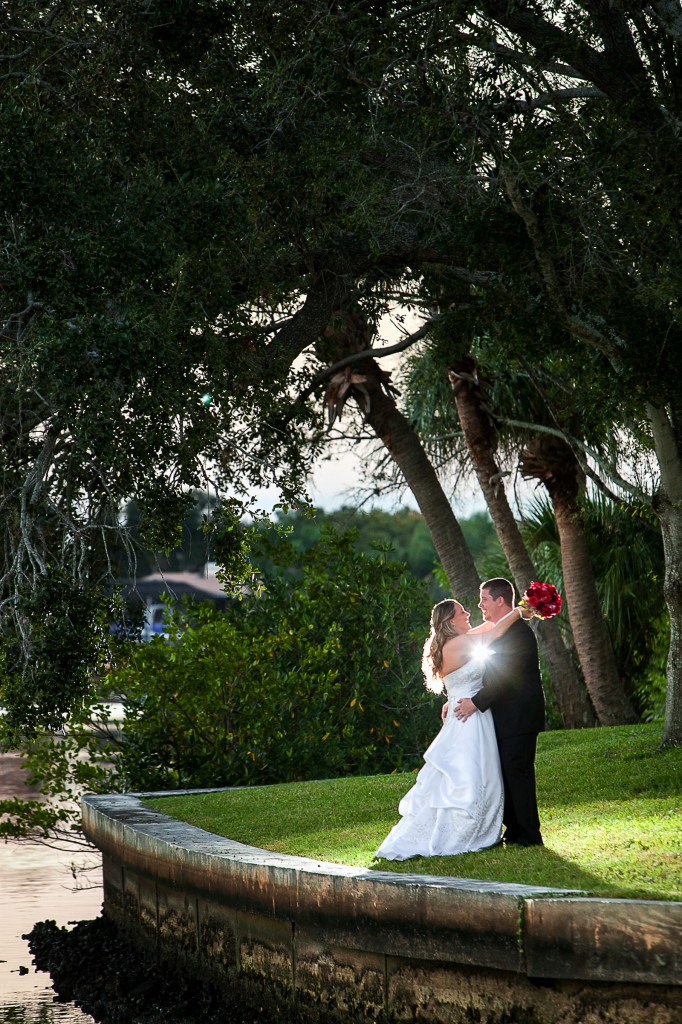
{"points": [[610, 804]]}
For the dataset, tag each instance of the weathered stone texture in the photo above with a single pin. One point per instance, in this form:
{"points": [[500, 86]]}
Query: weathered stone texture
{"points": [[265, 948], [412, 947], [177, 921], [217, 935], [432, 994], [350, 979], [610, 940]]}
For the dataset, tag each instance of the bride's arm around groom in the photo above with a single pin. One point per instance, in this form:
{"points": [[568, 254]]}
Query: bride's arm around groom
{"points": [[512, 690]]}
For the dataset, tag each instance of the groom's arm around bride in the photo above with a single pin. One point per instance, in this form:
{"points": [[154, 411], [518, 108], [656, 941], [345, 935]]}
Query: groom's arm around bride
{"points": [[512, 689]]}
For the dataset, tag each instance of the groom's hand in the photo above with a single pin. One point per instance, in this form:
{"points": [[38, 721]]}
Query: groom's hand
{"points": [[464, 709]]}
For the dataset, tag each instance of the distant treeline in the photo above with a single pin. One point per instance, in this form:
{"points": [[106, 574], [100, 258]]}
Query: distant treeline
{"points": [[404, 531]]}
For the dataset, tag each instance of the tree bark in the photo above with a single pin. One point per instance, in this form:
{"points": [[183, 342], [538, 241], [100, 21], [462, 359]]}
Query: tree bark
{"points": [[368, 384], [668, 505], [325, 292], [550, 460], [592, 641], [406, 450], [572, 701]]}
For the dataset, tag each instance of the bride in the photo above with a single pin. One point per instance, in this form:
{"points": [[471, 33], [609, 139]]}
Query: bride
{"points": [[456, 803]]}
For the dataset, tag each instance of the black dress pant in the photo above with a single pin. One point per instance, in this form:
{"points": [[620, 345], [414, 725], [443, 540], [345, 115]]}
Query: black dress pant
{"points": [[521, 819]]}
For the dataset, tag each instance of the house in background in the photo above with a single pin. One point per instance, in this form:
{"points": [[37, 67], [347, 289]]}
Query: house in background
{"points": [[148, 590]]}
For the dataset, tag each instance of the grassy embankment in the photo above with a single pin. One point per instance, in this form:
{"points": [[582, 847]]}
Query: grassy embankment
{"points": [[610, 803]]}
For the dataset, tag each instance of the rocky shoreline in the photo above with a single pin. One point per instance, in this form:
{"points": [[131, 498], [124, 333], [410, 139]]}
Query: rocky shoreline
{"points": [[94, 966]]}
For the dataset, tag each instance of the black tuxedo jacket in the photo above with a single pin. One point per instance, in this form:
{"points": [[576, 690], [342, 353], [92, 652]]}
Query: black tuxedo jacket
{"points": [[512, 687]]}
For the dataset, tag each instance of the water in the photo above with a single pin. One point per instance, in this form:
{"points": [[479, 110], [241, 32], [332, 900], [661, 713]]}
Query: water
{"points": [[37, 884]]}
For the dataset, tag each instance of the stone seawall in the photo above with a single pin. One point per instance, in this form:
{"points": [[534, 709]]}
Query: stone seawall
{"points": [[412, 947]]}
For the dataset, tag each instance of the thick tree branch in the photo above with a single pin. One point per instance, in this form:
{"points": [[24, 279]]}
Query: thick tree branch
{"points": [[330, 285], [615, 32], [549, 273], [582, 452], [549, 99], [521, 58], [669, 14], [368, 353], [619, 73], [324, 296], [376, 353], [546, 37], [667, 450], [414, 10]]}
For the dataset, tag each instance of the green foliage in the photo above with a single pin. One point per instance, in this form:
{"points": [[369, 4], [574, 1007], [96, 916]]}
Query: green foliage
{"points": [[484, 546], [127, 259], [403, 534], [32, 819], [190, 554], [63, 766], [421, 556], [319, 676], [609, 805], [215, 532], [627, 555], [173, 186], [48, 668], [161, 516], [231, 540], [183, 533]]}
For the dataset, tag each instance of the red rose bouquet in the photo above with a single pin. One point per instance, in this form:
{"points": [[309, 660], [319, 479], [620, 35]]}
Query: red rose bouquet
{"points": [[543, 599]]}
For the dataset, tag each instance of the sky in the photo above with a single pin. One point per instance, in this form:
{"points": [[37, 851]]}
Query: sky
{"points": [[335, 483], [338, 481]]}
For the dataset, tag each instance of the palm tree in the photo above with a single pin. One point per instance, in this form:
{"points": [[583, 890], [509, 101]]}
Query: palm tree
{"points": [[481, 440], [627, 555], [550, 460], [370, 387]]}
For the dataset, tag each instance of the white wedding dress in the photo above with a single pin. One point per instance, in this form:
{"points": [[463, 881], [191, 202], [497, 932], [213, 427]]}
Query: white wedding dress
{"points": [[456, 803]]}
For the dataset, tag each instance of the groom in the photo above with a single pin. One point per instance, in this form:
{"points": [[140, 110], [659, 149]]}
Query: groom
{"points": [[512, 689]]}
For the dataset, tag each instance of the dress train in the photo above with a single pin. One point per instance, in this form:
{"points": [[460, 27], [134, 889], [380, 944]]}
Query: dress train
{"points": [[456, 803]]}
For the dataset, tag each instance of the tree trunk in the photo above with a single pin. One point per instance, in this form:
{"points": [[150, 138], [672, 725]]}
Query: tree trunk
{"points": [[668, 507], [406, 450], [369, 385], [572, 701], [590, 636], [550, 460]]}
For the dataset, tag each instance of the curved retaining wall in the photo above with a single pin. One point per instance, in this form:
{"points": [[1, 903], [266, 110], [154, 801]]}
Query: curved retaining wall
{"points": [[417, 947]]}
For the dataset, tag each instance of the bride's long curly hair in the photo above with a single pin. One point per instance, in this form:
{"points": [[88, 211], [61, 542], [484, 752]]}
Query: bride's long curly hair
{"points": [[441, 630]]}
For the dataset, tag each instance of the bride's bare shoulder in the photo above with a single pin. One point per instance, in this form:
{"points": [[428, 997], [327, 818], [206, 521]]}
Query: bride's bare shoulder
{"points": [[455, 643], [456, 652], [463, 642]]}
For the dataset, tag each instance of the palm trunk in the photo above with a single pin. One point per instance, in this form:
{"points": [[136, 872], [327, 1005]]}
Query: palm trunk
{"points": [[669, 509], [350, 332], [407, 451], [590, 635], [551, 461], [572, 701]]}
